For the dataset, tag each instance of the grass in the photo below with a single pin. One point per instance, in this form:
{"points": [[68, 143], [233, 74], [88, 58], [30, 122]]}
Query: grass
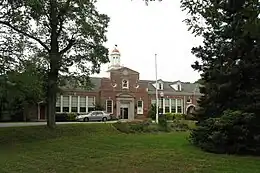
{"points": [[95, 148]]}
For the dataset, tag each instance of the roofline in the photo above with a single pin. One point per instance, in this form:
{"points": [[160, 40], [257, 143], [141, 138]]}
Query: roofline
{"points": [[176, 93]]}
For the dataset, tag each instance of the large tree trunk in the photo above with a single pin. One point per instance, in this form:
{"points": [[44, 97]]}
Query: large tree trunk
{"points": [[51, 97], [55, 59]]}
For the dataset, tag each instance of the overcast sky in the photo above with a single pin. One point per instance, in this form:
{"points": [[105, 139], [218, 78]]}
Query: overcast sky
{"points": [[140, 31]]}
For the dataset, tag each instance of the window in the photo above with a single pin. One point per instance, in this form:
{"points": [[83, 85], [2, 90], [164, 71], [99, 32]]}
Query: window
{"points": [[125, 84], [82, 104], [91, 109], [58, 102], [167, 105], [173, 105], [160, 87], [58, 109], [109, 106], [179, 87], [160, 105], [140, 107], [179, 105], [74, 104], [91, 103], [140, 103], [65, 103], [153, 102]]}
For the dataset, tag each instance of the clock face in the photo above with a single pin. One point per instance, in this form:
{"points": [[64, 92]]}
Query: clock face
{"points": [[125, 72]]}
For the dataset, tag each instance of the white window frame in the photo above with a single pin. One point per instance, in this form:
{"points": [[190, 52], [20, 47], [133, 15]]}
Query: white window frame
{"points": [[127, 82], [140, 110], [83, 103], [111, 106], [168, 101], [58, 102]]}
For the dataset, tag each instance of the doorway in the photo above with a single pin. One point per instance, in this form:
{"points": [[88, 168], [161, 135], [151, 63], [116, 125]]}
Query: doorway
{"points": [[42, 112], [124, 113]]}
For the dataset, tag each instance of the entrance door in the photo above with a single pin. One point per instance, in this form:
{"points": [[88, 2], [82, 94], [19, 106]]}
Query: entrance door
{"points": [[42, 112], [123, 113]]}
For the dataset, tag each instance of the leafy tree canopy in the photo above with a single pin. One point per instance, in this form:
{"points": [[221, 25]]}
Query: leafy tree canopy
{"points": [[60, 33], [229, 53]]}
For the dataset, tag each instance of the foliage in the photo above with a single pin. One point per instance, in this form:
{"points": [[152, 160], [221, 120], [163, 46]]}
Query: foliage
{"points": [[190, 116], [20, 88], [129, 127], [60, 34], [234, 132], [162, 122], [170, 116], [228, 59], [136, 126], [99, 107], [173, 116], [178, 125], [64, 117], [113, 117], [230, 73], [152, 112]]}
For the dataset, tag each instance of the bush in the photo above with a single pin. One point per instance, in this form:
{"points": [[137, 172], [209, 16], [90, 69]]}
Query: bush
{"points": [[169, 116], [64, 117], [135, 126], [234, 132], [179, 116], [173, 116], [113, 117], [162, 120], [71, 116], [152, 112], [190, 117], [178, 125]]}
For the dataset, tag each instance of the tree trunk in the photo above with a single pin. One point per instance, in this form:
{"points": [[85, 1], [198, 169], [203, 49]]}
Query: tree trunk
{"points": [[51, 98], [54, 60]]}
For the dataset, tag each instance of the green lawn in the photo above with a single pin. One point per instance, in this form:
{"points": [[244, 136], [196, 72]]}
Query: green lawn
{"points": [[99, 148]]}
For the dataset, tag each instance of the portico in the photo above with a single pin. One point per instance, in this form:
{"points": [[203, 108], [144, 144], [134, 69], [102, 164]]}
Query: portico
{"points": [[125, 108]]}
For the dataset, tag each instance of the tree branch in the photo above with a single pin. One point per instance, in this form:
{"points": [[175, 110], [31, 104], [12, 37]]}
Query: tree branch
{"points": [[62, 12], [25, 34], [71, 43]]}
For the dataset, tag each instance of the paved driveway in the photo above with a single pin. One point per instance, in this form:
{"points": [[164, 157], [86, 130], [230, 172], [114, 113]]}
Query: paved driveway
{"points": [[44, 123]]}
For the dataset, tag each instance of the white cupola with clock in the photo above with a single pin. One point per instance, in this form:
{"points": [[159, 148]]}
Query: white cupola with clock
{"points": [[115, 59]]}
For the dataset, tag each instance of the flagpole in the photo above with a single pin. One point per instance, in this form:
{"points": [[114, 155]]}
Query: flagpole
{"points": [[156, 89]]}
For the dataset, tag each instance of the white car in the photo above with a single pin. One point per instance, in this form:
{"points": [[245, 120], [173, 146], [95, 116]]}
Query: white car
{"points": [[94, 116]]}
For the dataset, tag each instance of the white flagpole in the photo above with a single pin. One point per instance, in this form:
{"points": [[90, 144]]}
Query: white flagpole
{"points": [[156, 90]]}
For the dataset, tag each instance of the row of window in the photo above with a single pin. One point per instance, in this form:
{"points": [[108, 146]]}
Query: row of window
{"points": [[170, 105], [84, 104], [75, 103]]}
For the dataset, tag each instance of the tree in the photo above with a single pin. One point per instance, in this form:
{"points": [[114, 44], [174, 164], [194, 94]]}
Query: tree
{"points": [[230, 42], [63, 33], [229, 62], [22, 88]]}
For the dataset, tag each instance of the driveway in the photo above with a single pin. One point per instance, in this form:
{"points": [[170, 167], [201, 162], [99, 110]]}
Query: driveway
{"points": [[44, 123]]}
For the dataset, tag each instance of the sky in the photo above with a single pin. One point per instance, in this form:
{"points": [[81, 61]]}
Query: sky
{"points": [[142, 31]]}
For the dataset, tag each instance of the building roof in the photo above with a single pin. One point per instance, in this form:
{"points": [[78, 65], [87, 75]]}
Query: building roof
{"points": [[72, 85], [187, 87], [115, 50]]}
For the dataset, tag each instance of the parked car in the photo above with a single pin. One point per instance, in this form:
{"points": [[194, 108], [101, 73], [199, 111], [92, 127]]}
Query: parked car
{"points": [[94, 116]]}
